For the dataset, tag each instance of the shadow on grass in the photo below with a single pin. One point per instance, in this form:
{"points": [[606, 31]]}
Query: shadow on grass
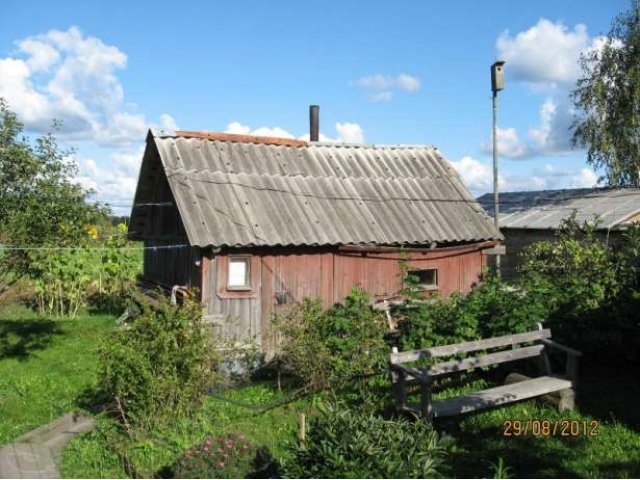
{"points": [[20, 338], [530, 457], [611, 395]]}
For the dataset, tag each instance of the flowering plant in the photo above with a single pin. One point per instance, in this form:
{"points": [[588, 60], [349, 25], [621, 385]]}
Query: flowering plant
{"points": [[223, 456]]}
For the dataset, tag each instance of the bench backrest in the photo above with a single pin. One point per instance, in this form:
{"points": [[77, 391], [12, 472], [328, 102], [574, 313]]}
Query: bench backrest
{"points": [[466, 347]]}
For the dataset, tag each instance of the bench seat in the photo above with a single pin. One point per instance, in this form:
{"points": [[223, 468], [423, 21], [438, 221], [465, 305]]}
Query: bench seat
{"points": [[523, 388], [499, 396]]}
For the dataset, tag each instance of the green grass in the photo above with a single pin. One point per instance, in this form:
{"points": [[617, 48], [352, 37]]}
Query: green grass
{"points": [[45, 366], [105, 452], [614, 452]]}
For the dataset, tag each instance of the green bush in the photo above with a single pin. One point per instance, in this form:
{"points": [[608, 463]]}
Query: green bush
{"points": [[317, 346], [224, 456], [158, 367], [492, 309], [346, 443], [590, 289]]}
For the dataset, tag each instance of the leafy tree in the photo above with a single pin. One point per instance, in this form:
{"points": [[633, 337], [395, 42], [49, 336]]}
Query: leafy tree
{"points": [[40, 203], [608, 95]]}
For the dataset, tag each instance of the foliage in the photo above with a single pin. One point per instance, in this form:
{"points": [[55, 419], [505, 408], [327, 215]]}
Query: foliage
{"points": [[589, 289], [118, 268], [345, 443], [158, 367], [61, 280], [102, 269], [40, 202], [492, 309], [500, 470], [346, 340], [224, 456], [108, 451], [608, 94]]}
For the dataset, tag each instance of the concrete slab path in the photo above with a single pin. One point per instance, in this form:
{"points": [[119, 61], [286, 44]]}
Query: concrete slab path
{"points": [[37, 454]]}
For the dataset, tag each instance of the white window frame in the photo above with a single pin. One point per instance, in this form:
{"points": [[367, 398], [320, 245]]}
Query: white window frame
{"points": [[246, 285], [427, 286]]}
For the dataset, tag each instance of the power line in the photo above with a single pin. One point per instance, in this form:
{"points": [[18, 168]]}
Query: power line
{"points": [[59, 248]]}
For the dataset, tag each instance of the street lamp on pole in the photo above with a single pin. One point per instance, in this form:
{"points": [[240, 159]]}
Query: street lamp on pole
{"points": [[497, 84]]}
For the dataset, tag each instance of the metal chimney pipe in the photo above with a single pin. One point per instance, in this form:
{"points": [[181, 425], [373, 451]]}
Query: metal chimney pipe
{"points": [[314, 123]]}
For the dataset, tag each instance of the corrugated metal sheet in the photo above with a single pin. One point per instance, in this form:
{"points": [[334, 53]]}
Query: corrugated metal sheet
{"points": [[548, 208], [241, 193]]}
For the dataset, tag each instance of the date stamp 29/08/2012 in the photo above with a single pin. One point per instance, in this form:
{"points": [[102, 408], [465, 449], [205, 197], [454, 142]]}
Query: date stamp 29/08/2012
{"points": [[550, 428]]}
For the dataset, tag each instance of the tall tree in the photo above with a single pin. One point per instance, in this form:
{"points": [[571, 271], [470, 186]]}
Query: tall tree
{"points": [[608, 97], [40, 203]]}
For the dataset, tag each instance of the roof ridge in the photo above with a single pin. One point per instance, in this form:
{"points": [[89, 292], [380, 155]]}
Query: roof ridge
{"points": [[238, 138], [282, 141]]}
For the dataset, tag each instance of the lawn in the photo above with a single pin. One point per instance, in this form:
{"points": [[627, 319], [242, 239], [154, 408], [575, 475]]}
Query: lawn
{"points": [[105, 453], [45, 366]]}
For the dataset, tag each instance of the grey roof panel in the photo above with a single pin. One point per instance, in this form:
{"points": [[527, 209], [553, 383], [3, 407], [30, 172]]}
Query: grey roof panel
{"points": [[233, 193], [547, 209]]}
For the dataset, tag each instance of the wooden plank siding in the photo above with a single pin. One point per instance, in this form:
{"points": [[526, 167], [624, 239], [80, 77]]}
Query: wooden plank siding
{"points": [[325, 273]]}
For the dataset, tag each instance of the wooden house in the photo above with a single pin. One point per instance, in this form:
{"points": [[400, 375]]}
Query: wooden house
{"points": [[529, 217], [258, 223]]}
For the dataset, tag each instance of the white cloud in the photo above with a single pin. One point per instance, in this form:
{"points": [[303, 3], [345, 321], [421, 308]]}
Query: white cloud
{"points": [[546, 53], [167, 122], [408, 82], [116, 182], [546, 57], [384, 86], [509, 144], [383, 96], [69, 76], [477, 175], [238, 128], [346, 132], [587, 178], [553, 134], [350, 132]]}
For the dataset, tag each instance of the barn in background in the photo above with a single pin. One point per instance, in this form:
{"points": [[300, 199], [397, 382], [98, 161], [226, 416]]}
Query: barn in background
{"points": [[529, 217], [257, 224]]}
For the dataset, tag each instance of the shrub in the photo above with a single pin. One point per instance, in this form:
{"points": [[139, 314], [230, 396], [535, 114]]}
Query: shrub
{"points": [[345, 443], [225, 456], [590, 289], [158, 367], [317, 346], [492, 309]]}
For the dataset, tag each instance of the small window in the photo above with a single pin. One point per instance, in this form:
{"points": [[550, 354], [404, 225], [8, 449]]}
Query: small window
{"points": [[239, 277], [427, 278]]}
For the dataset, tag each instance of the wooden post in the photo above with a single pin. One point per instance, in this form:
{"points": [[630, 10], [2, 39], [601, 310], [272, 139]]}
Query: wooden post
{"points": [[426, 409], [302, 433]]}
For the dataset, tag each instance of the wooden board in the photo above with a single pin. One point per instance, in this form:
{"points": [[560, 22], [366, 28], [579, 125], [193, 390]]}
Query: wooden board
{"points": [[499, 396], [484, 360], [447, 350]]}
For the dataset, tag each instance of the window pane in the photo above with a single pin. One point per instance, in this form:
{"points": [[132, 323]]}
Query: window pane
{"points": [[427, 277], [238, 272]]}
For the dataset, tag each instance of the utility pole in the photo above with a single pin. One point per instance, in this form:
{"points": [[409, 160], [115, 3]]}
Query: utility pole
{"points": [[497, 84]]}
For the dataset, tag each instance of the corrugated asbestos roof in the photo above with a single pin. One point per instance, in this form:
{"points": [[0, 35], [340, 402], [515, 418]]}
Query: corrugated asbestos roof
{"points": [[548, 208], [239, 191]]}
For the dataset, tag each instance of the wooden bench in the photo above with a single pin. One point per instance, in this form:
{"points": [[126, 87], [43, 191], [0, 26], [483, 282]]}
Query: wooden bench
{"points": [[562, 386]]}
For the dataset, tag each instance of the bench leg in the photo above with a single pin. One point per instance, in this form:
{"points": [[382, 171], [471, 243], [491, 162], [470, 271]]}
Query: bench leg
{"points": [[567, 400], [426, 408]]}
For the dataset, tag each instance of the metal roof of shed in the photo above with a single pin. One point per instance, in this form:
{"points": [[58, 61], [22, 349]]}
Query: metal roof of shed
{"points": [[238, 190], [547, 209]]}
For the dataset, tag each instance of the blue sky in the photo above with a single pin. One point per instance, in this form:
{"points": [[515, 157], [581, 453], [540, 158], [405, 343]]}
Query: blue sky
{"points": [[382, 72]]}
